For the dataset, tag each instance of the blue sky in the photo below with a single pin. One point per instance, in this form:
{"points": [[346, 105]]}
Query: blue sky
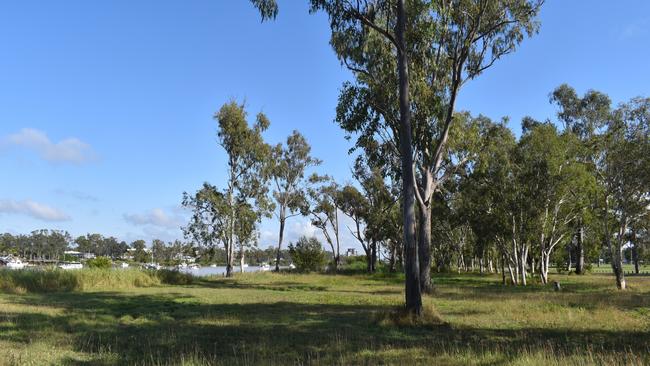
{"points": [[106, 106]]}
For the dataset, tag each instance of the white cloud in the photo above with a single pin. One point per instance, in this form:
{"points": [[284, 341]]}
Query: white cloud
{"points": [[69, 150], [635, 29], [34, 209], [155, 217]]}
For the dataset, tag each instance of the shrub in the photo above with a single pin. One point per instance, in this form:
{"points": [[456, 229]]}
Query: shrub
{"points": [[307, 254], [99, 262], [170, 277], [400, 318]]}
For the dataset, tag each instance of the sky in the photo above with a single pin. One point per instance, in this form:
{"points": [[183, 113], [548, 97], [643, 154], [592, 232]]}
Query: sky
{"points": [[106, 106]]}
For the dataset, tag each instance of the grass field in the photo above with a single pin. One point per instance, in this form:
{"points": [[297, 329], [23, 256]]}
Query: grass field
{"points": [[280, 319]]}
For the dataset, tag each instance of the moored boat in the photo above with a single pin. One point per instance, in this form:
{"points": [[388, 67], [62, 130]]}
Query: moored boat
{"points": [[12, 263], [70, 265]]}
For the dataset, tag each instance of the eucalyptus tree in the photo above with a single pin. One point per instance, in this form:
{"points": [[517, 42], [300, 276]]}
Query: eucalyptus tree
{"points": [[483, 189], [585, 117], [247, 168], [626, 176], [289, 164], [449, 43], [445, 43], [210, 223], [246, 231], [466, 38], [640, 240], [558, 186], [357, 208], [323, 208], [140, 254], [372, 204]]}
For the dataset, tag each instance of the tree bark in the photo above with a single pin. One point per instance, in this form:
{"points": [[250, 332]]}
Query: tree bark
{"points": [[503, 270], [373, 256], [280, 237], [522, 262], [580, 251], [424, 249], [617, 256], [411, 265], [635, 253]]}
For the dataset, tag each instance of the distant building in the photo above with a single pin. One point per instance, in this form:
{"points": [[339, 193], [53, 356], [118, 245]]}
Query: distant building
{"points": [[351, 252]]}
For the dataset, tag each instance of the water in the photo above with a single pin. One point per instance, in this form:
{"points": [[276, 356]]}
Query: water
{"points": [[219, 270]]}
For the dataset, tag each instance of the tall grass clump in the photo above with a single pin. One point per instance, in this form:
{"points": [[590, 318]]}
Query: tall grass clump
{"points": [[87, 279], [170, 277], [50, 280]]}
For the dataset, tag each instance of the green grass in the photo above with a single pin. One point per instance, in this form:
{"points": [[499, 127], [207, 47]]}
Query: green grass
{"points": [[284, 319], [628, 268]]}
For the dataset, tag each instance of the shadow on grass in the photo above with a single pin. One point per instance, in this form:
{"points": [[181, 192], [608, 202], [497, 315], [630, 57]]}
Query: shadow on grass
{"points": [[170, 328], [290, 286]]}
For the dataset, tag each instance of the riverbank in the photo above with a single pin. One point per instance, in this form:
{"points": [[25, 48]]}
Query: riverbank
{"points": [[279, 319]]}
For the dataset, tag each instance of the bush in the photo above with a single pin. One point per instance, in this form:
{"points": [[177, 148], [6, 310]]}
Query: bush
{"points": [[307, 254], [170, 277], [99, 262], [355, 264]]}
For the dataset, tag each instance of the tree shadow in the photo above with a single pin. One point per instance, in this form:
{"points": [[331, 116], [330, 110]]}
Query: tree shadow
{"points": [[171, 328]]}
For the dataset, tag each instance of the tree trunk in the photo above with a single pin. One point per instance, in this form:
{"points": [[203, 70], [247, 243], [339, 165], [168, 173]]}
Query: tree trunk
{"points": [[513, 275], [229, 260], [424, 249], [522, 262], [280, 237], [635, 253], [373, 256], [411, 265], [580, 251], [617, 255], [617, 266], [242, 260]]}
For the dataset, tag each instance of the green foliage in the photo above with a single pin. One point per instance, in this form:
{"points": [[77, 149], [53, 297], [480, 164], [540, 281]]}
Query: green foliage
{"points": [[307, 255], [99, 262], [140, 255]]}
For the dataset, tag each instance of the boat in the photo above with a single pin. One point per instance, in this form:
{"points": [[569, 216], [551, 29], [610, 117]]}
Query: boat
{"points": [[12, 263], [70, 265], [213, 265], [153, 266], [193, 266], [292, 266], [245, 265], [124, 265], [182, 266], [265, 267]]}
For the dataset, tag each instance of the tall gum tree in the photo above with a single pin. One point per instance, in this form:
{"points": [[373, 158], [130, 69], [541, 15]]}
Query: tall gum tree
{"points": [[447, 43], [625, 170], [289, 164], [323, 208], [474, 32], [583, 117], [247, 177]]}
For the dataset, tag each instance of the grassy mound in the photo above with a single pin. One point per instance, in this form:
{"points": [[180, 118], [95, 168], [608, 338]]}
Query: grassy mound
{"points": [[88, 279]]}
